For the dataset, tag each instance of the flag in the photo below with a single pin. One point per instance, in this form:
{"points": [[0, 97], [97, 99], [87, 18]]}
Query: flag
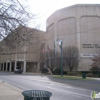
{"points": [[43, 50], [48, 49]]}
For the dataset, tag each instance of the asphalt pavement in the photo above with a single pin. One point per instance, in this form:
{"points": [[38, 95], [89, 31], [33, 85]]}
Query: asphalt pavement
{"points": [[60, 88], [91, 84]]}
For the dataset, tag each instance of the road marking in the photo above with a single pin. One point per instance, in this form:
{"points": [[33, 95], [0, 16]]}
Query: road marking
{"points": [[59, 90], [59, 84], [65, 91], [49, 81]]}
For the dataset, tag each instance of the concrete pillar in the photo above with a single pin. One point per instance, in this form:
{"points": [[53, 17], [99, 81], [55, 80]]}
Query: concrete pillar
{"points": [[55, 33], [55, 44], [6, 66], [79, 42], [10, 66], [21, 66], [78, 35], [15, 65], [24, 69], [15, 59], [0, 66]]}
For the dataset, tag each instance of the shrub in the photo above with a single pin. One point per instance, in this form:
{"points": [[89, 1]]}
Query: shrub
{"points": [[57, 71], [65, 72], [98, 74], [45, 70], [95, 69], [72, 73], [95, 75], [89, 75], [79, 72]]}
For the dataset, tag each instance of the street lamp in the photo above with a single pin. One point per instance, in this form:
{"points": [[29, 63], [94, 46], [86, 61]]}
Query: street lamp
{"points": [[59, 41]]}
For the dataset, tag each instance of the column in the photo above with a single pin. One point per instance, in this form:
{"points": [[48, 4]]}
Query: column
{"points": [[38, 67], [15, 59], [55, 33], [6, 66], [55, 44], [24, 69], [79, 42], [78, 35], [0, 66], [10, 66], [15, 65]]}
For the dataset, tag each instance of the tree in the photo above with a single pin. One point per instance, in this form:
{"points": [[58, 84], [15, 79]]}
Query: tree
{"points": [[71, 56], [96, 63], [14, 33], [95, 69], [13, 21], [12, 14], [50, 59], [42, 55]]}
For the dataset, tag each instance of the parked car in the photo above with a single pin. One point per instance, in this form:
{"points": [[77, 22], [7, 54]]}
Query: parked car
{"points": [[18, 71]]}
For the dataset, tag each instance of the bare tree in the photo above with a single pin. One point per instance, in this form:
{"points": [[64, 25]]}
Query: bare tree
{"points": [[96, 61], [14, 33], [42, 55], [13, 21], [50, 59], [71, 56], [12, 14]]}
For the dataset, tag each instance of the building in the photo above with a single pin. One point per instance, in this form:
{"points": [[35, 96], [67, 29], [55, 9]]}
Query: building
{"points": [[77, 25], [21, 49]]}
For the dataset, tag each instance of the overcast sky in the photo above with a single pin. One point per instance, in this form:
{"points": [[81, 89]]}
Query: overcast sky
{"points": [[46, 7]]}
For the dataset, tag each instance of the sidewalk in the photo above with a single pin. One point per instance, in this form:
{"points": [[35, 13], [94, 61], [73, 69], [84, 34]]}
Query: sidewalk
{"points": [[9, 92]]}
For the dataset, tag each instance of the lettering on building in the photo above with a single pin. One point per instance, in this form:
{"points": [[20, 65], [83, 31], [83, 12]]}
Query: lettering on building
{"points": [[88, 55], [90, 46]]}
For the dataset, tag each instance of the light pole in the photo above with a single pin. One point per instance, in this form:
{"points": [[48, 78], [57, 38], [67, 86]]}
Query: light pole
{"points": [[59, 41]]}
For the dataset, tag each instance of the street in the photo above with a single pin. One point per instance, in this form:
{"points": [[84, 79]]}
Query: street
{"points": [[59, 91]]}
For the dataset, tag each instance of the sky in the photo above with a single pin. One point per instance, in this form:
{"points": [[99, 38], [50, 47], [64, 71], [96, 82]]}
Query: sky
{"points": [[44, 8]]}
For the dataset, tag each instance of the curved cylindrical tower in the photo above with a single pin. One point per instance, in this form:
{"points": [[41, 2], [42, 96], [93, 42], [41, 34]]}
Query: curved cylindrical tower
{"points": [[77, 25]]}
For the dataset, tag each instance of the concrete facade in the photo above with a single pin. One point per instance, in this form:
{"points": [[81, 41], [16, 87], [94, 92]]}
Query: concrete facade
{"points": [[25, 55], [77, 25]]}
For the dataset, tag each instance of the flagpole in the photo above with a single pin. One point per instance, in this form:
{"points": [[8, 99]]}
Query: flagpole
{"points": [[49, 55], [55, 53]]}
